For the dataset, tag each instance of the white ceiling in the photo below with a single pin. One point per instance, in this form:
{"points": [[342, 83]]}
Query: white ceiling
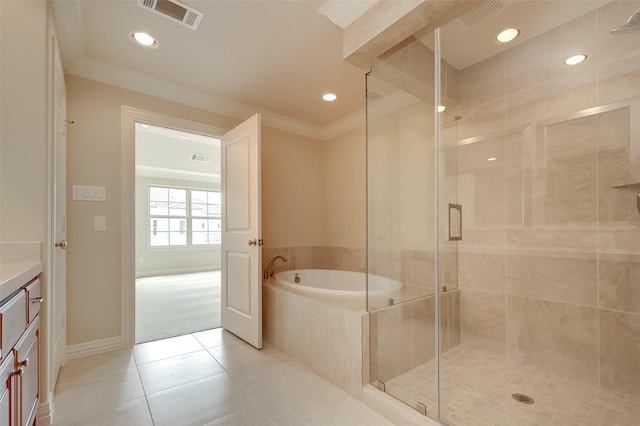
{"points": [[166, 153], [464, 44], [265, 55]]}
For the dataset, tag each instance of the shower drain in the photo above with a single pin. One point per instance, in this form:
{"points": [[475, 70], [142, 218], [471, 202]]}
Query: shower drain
{"points": [[520, 397]]}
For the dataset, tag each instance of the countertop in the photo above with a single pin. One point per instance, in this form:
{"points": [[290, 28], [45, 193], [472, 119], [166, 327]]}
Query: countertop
{"points": [[20, 262], [14, 275]]}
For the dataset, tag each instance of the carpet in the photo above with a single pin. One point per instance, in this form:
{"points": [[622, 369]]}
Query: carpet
{"points": [[173, 305]]}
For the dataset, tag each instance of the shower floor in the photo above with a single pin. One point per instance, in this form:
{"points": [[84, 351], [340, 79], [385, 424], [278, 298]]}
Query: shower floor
{"points": [[477, 389]]}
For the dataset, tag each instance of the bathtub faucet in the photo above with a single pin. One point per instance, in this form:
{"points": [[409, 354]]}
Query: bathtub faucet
{"points": [[268, 271]]}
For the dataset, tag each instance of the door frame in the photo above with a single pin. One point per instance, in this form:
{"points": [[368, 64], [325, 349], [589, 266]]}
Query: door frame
{"points": [[129, 117]]}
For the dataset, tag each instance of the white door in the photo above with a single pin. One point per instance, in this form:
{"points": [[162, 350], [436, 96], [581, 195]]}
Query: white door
{"points": [[241, 232], [58, 293]]}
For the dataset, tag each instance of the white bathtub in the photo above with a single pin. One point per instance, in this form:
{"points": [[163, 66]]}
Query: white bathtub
{"points": [[331, 282]]}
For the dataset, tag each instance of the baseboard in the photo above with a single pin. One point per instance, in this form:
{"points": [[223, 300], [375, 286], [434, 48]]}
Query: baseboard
{"points": [[94, 347], [44, 413], [175, 271]]}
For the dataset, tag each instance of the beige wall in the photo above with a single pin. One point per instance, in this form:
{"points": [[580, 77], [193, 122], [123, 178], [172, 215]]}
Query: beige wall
{"points": [[345, 190], [93, 158], [25, 29], [294, 183], [291, 189], [24, 121]]}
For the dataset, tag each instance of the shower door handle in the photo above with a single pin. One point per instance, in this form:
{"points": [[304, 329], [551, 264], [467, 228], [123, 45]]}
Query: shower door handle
{"points": [[455, 222]]}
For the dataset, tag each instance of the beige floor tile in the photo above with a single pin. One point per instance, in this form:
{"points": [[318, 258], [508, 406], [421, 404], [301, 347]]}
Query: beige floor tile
{"points": [[250, 416], [197, 402], [167, 348], [98, 396], [167, 373], [177, 382], [96, 367], [216, 337], [129, 413], [245, 356]]}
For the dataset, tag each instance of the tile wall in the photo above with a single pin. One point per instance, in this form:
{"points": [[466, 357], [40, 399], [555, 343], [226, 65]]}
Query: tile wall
{"points": [[316, 257], [404, 334], [549, 267]]}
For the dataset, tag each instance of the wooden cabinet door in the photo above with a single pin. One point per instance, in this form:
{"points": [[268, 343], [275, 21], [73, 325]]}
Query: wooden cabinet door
{"points": [[7, 398], [27, 354]]}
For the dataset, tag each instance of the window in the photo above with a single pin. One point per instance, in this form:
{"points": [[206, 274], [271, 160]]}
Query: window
{"points": [[184, 217]]}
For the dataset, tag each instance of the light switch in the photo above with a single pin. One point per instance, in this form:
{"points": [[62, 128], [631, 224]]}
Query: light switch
{"points": [[100, 223], [89, 193]]}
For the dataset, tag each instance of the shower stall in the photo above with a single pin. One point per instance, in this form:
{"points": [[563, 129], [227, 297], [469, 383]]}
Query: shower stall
{"points": [[503, 183]]}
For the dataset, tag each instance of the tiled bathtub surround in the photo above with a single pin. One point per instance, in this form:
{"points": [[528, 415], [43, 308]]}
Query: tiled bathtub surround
{"points": [[316, 257], [326, 335]]}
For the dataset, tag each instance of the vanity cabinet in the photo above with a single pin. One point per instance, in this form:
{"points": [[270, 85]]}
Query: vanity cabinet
{"points": [[19, 354], [6, 379]]}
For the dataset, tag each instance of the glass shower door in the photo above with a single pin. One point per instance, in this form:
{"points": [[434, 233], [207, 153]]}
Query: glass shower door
{"points": [[402, 240]]}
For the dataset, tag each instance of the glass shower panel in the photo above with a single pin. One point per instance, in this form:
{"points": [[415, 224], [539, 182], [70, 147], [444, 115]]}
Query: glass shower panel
{"points": [[401, 231], [548, 174]]}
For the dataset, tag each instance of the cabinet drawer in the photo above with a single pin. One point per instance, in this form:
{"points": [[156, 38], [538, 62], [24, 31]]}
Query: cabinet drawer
{"points": [[34, 299], [13, 321]]}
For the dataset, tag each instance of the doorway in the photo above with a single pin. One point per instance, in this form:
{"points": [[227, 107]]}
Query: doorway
{"points": [[177, 232]]}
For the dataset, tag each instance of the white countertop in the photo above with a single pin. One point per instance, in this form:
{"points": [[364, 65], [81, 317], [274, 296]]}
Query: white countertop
{"points": [[19, 263], [14, 275]]}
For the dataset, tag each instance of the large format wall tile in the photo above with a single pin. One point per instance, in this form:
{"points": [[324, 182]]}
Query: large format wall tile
{"points": [[620, 351], [560, 337], [619, 283], [560, 277], [483, 320], [482, 270], [453, 330], [390, 341], [336, 346], [423, 330]]}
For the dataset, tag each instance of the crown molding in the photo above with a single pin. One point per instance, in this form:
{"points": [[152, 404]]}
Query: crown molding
{"points": [[344, 13], [138, 82]]}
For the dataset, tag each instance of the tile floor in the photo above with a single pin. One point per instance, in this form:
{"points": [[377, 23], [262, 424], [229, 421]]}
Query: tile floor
{"points": [[477, 389], [204, 378]]}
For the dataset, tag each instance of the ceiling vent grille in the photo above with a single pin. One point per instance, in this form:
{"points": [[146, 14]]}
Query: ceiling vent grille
{"points": [[203, 158], [481, 11], [175, 11]]}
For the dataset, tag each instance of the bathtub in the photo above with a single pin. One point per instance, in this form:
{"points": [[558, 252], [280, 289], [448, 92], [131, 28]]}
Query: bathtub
{"points": [[336, 283]]}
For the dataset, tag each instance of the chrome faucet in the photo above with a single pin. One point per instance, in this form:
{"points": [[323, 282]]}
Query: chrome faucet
{"points": [[268, 271]]}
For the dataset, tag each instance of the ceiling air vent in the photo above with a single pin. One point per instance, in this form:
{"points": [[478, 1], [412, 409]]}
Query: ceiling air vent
{"points": [[174, 10], [203, 158], [480, 11]]}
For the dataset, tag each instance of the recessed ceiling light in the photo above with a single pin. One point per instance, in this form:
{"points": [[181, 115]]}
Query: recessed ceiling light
{"points": [[143, 39], [507, 35], [441, 108], [575, 59], [491, 159], [144, 126], [329, 97]]}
